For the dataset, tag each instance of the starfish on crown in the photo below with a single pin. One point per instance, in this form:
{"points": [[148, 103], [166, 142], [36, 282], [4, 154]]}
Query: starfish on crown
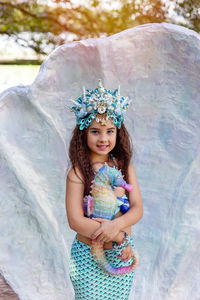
{"points": [[100, 101]]}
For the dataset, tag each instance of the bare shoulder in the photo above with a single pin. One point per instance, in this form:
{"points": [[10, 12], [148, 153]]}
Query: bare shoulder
{"points": [[135, 197], [131, 168], [74, 175]]}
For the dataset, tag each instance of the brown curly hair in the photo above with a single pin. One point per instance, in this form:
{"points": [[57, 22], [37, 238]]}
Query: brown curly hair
{"points": [[79, 154]]}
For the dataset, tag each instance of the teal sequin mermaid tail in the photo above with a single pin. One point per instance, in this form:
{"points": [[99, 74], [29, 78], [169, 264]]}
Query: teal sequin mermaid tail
{"points": [[90, 282]]}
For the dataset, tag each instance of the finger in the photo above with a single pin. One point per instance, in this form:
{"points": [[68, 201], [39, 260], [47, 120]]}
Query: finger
{"points": [[129, 257], [100, 238], [124, 253], [97, 220], [107, 240], [124, 256], [104, 239], [120, 257], [96, 233]]}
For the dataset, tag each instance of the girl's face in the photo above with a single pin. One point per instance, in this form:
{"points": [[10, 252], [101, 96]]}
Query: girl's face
{"points": [[101, 139]]}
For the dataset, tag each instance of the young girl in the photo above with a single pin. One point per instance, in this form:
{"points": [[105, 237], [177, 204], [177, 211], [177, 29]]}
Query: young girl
{"points": [[100, 136]]}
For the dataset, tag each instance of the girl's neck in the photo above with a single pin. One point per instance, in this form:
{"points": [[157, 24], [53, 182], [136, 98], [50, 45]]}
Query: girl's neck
{"points": [[100, 159]]}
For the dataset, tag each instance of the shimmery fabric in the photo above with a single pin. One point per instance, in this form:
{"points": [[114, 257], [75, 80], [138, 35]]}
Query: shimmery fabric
{"points": [[91, 282]]}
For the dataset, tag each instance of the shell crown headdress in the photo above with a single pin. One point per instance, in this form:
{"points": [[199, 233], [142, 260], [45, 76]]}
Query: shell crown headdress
{"points": [[99, 101]]}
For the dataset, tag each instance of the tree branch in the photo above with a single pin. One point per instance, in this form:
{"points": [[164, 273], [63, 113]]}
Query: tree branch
{"points": [[42, 17]]}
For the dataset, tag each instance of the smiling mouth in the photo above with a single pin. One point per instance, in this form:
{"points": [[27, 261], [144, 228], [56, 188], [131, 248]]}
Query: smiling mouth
{"points": [[102, 147]]}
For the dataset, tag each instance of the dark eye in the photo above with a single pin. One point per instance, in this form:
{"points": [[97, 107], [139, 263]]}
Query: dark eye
{"points": [[94, 131], [111, 131]]}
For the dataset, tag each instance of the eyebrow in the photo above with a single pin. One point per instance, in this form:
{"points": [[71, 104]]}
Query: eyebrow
{"points": [[98, 128]]}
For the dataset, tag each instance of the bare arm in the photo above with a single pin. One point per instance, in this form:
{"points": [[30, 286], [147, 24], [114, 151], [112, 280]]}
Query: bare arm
{"points": [[74, 201], [135, 213], [127, 229], [119, 192]]}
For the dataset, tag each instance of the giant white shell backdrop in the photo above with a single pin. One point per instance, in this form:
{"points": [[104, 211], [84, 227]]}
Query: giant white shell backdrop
{"points": [[158, 66]]}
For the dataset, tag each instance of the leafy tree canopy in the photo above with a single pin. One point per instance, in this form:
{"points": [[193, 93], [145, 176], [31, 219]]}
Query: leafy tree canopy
{"points": [[43, 25]]}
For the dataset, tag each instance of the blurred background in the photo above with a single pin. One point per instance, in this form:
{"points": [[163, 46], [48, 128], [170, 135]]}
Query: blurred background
{"points": [[30, 30]]}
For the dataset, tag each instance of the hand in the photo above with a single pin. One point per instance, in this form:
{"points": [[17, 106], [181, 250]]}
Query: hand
{"points": [[106, 232], [127, 253]]}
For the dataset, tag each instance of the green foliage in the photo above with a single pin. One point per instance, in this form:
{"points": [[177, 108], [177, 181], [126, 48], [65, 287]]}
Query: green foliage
{"points": [[190, 11], [43, 27]]}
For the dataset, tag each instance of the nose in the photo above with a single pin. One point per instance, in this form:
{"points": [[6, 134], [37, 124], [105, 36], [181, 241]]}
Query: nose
{"points": [[102, 138]]}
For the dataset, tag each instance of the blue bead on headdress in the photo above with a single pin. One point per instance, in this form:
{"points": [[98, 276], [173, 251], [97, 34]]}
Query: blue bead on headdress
{"points": [[100, 102]]}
